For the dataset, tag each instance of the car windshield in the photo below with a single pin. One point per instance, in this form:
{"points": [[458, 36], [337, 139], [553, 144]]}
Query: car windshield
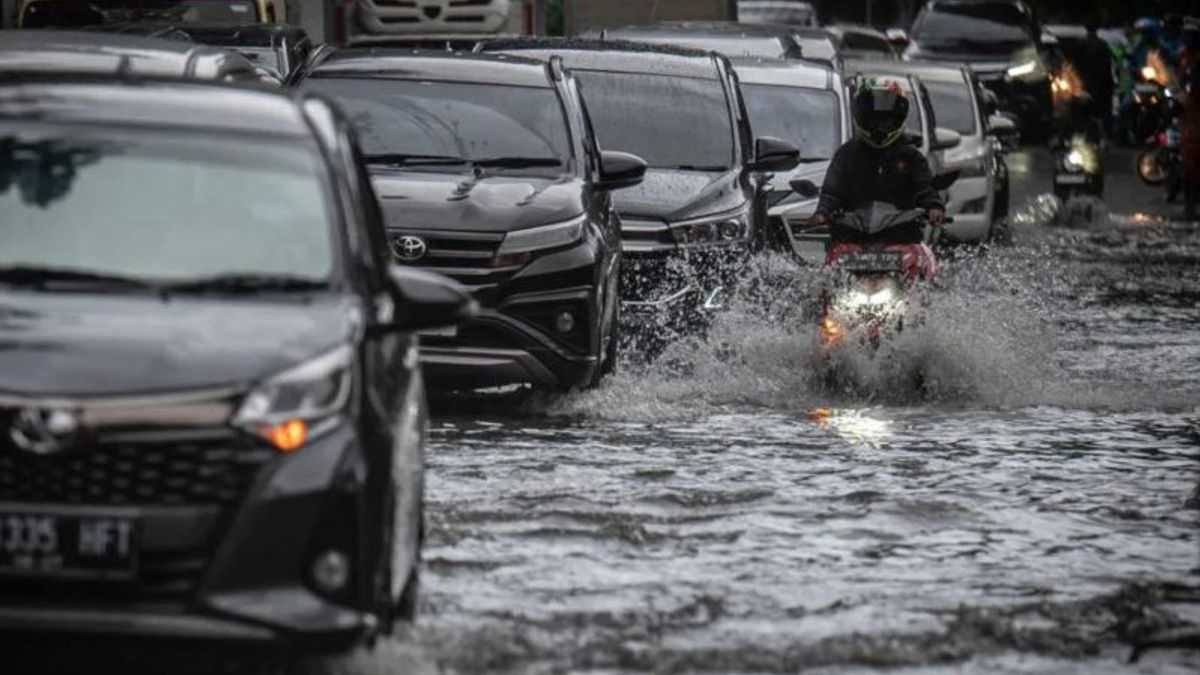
{"points": [[671, 122], [817, 48], [398, 119], [162, 206], [263, 56], [94, 12], [730, 45], [952, 105], [968, 25], [808, 118]]}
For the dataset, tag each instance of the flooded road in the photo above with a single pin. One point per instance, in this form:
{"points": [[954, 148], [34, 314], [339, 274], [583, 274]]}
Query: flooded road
{"points": [[1028, 512]]}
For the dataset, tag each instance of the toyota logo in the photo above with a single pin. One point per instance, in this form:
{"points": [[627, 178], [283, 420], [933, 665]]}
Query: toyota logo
{"points": [[41, 431], [409, 248]]}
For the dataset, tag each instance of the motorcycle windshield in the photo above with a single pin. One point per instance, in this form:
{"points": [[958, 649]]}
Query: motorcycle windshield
{"points": [[880, 216]]}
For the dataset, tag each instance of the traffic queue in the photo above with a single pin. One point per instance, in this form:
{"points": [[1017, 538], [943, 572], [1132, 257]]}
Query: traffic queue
{"points": [[234, 261]]}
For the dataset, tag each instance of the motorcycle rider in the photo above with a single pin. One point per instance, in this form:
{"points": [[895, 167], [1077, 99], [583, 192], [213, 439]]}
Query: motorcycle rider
{"points": [[879, 164]]}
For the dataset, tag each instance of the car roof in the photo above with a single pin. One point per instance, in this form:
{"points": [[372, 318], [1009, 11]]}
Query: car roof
{"points": [[937, 71], [786, 73], [616, 55], [46, 50], [181, 104], [416, 64], [232, 35]]}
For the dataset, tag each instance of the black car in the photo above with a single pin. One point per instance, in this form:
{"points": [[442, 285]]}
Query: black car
{"points": [[211, 420], [488, 171], [1002, 41], [702, 208], [55, 51]]}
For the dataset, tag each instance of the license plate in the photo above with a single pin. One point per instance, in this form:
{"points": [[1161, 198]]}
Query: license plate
{"points": [[1070, 179], [448, 331], [874, 261], [61, 545]]}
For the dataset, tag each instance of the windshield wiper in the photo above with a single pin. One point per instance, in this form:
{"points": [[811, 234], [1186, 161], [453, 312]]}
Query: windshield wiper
{"points": [[46, 277], [398, 159], [516, 162], [247, 283]]}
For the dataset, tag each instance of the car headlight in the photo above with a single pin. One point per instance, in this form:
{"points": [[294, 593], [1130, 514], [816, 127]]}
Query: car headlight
{"points": [[542, 237], [1027, 70], [713, 229], [300, 403]]}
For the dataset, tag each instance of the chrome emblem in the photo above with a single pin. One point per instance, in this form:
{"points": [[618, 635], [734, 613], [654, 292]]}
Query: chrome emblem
{"points": [[43, 431], [409, 248]]}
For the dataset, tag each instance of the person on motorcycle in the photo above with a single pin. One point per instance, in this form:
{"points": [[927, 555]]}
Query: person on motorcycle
{"points": [[879, 164]]}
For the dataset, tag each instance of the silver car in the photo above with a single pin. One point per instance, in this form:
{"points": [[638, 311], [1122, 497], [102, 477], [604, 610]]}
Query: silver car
{"points": [[381, 17]]}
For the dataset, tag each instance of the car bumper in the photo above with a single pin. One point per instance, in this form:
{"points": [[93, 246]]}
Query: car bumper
{"points": [[972, 205], [518, 343], [230, 574], [377, 19]]}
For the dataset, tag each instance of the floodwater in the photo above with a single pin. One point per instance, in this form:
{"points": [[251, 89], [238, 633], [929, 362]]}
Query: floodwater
{"points": [[1032, 508]]}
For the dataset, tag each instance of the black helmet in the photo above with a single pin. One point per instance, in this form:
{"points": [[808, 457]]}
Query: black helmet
{"points": [[879, 112]]}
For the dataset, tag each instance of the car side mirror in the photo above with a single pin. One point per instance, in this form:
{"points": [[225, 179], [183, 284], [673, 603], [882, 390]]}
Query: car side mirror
{"points": [[945, 180], [944, 139], [773, 154], [620, 170], [898, 37], [991, 102], [267, 75], [430, 300], [1005, 130], [805, 188]]}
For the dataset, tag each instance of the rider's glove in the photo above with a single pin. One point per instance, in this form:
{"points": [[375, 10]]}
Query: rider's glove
{"points": [[937, 216]]}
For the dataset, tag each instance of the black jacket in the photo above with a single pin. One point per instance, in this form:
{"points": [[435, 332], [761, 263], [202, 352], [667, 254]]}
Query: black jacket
{"points": [[860, 174]]}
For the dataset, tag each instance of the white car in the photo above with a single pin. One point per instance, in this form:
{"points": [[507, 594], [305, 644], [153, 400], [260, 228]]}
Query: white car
{"points": [[383, 17]]}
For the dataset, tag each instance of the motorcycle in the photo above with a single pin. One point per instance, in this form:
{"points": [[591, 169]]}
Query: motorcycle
{"points": [[1161, 162], [1078, 170]]}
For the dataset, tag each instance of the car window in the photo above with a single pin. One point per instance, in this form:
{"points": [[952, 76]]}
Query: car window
{"points": [[967, 25], [668, 121], [453, 119], [95, 12], [163, 206], [808, 118], [953, 106]]}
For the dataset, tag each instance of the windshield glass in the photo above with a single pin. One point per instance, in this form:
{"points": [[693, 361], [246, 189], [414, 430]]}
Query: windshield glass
{"points": [[952, 105], [162, 207], [668, 121], [968, 24], [471, 121], [263, 56], [731, 45], [93, 12], [808, 118]]}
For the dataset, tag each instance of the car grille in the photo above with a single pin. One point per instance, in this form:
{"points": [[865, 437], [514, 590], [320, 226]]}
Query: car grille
{"points": [[646, 236], [131, 475], [202, 482], [466, 257]]}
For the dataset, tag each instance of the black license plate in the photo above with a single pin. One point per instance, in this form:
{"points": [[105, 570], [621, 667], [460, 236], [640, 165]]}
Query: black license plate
{"points": [[68, 545], [874, 261]]}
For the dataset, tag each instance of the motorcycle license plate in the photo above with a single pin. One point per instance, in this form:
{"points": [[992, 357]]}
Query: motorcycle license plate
{"points": [[94, 546], [874, 261], [1070, 179]]}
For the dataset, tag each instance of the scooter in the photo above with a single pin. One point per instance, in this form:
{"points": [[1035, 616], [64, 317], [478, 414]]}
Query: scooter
{"points": [[1078, 170], [1160, 163]]}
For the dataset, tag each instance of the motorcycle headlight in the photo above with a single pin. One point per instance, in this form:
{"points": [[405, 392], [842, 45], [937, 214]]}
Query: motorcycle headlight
{"points": [[300, 403], [713, 229], [884, 298], [1073, 160], [522, 244]]}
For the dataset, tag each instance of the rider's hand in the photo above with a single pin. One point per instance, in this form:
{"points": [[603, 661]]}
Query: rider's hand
{"points": [[937, 216]]}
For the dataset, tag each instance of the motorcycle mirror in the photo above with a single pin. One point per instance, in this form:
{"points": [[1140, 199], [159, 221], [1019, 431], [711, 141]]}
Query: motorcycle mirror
{"points": [[945, 180], [804, 188]]}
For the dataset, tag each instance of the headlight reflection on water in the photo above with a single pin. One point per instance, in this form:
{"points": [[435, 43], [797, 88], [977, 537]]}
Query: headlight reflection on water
{"points": [[857, 426]]}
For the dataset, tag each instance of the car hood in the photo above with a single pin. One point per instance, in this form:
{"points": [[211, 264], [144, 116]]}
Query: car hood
{"points": [[496, 203], [679, 195], [115, 345]]}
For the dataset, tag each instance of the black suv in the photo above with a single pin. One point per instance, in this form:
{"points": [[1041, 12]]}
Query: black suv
{"points": [[1002, 41], [488, 171], [211, 421], [689, 228]]}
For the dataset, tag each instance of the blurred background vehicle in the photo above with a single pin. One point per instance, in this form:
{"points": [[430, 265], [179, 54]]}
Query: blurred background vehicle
{"points": [[76, 13], [729, 38], [862, 42], [488, 171], [379, 17], [790, 12]]}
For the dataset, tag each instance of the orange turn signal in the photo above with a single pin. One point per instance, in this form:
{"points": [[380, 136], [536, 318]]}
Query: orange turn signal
{"points": [[830, 328], [288, 435]]}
